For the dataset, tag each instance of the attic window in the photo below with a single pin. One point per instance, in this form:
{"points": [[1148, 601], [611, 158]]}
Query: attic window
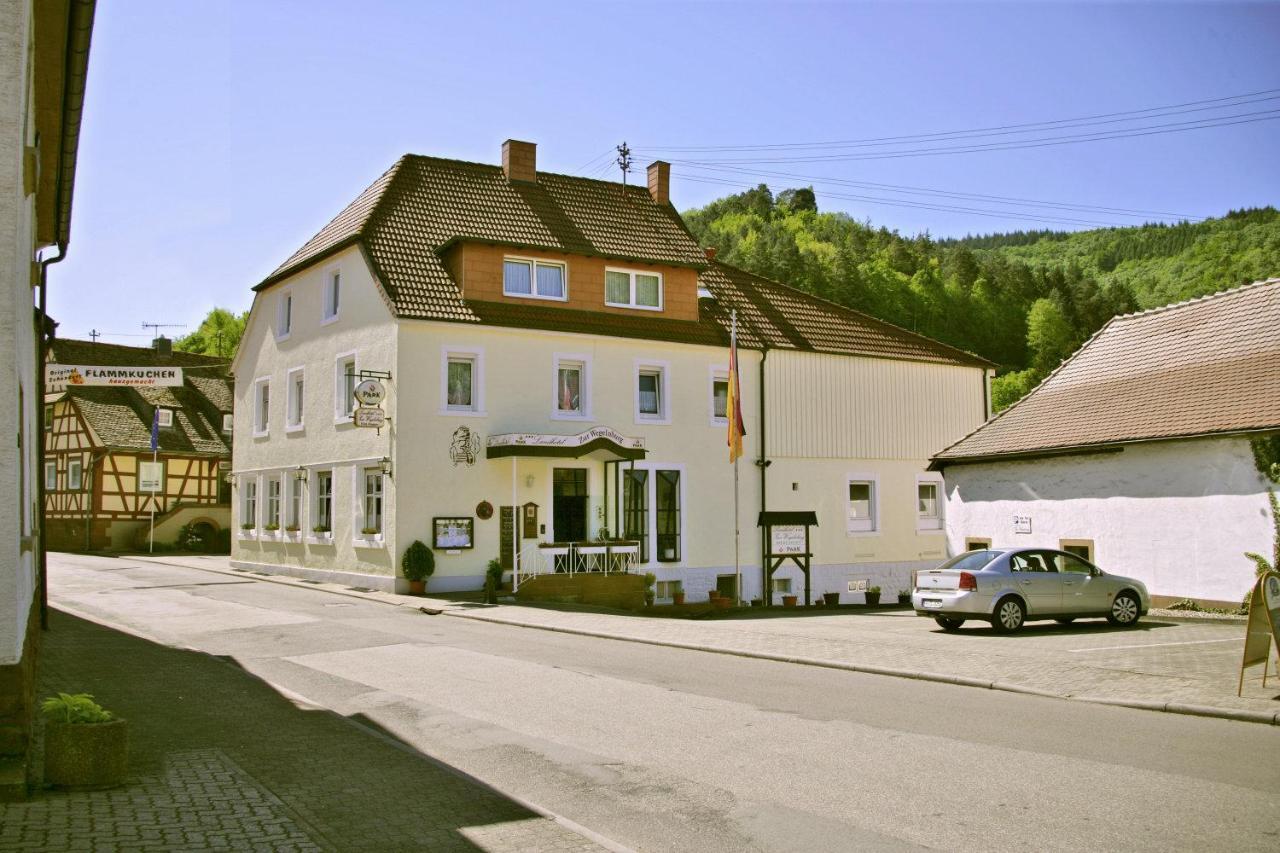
{"points": [[228, 423], [533, 279], [633, 289], [164, 417]]}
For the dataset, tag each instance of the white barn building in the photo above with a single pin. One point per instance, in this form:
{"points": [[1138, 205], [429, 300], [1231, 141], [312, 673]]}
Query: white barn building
{"points": [[1148, 451], [560, 345]]}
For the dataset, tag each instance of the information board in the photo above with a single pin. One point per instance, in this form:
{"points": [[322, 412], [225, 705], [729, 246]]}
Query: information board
{"points": [[150, 476], [787, 539]]}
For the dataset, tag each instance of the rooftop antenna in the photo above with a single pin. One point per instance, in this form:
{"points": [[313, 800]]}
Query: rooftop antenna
{"points": [[624, 160], [159, 326]]}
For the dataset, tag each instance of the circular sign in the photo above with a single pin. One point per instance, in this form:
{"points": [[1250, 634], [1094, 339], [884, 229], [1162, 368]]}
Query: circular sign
{"points": [[484, 510], [370, 392]]}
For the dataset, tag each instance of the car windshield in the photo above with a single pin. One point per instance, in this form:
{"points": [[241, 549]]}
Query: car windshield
{"points": [[970, 561]]}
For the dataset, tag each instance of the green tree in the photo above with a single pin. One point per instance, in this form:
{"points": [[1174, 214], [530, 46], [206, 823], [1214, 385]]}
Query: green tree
{"points": [[1012, 387], [218, 334], [1050, 336]]}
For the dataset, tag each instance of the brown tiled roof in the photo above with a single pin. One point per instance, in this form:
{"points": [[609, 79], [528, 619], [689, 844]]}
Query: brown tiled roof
{"points": [[121, 417], [424, 204], [72, 351], [1204, 367]]}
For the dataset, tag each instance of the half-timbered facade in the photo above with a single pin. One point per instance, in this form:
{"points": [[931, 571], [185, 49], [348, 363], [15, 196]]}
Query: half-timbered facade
{"points": [[97, 440]]}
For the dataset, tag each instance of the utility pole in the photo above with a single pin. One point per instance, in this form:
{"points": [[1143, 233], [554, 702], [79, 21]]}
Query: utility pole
{"points": [[94, 334], [624, 160]]}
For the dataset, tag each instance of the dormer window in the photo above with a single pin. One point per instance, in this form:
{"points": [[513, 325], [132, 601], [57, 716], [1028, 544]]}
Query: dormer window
{"points": [[533, 279], [164, 418], [633, 289]]}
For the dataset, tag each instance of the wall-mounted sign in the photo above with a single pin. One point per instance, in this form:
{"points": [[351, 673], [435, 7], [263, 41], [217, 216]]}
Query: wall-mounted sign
{"points": [[365, 416], [57, 377], [370, 392], [150, 476], [858, 586], [1022, 524], [535, 443], [453, 533], [464, 446], [786, 539]]}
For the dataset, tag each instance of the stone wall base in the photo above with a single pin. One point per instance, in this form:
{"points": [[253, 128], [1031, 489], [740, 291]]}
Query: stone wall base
{"points": [[17, 714]]}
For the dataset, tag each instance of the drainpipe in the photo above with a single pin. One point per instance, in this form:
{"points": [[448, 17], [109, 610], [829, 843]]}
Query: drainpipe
{"points": [[766, 597], [42, 351]]}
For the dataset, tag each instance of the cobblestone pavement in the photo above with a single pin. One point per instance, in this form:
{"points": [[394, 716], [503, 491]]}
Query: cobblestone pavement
{"points": [[221, 761], [1164, 663]]}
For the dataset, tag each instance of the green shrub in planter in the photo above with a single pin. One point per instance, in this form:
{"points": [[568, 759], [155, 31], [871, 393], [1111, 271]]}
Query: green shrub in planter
{"points": [[418, 562], [86, 747], [492, 581]]}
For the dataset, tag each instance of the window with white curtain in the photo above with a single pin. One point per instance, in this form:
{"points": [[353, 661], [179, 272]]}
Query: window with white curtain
{"points": [[533, 278], [633, 289]]}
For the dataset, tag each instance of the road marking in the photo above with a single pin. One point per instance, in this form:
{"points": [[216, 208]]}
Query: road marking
{"points": [[1157, 645]]}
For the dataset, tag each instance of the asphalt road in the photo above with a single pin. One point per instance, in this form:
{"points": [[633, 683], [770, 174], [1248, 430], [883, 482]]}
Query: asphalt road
{"points": [[666, 749]]}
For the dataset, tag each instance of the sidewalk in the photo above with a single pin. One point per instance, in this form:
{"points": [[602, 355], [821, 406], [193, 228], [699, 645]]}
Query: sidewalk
{"points": [[219, 760], [1176, 665]]}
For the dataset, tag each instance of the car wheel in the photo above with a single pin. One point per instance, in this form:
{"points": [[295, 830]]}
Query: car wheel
{"points": [[1124, 610], [1065, 621], [948, 623], [1009, 615]]}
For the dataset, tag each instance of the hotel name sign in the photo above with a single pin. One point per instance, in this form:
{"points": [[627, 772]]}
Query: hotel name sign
{"points": [[532, 439]]}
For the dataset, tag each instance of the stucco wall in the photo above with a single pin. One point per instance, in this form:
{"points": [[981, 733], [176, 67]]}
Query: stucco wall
{"points": [[364, 327], [1177, 515], [17, 339]]}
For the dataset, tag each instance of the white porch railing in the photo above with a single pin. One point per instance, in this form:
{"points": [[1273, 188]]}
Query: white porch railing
{"points": [[575, 558]]}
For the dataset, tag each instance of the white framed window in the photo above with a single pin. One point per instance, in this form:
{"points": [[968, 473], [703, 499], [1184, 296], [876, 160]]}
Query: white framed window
{"points": [[272, 519], [293, 502], [332, 296], [75, 475], [50, 476], [371, 502], [929, 503], [284, 314], [261, 406], [228, 422], [531, 278], [652, 398], [322, 502], [249, 503], [571, 387], [781, 586], [295, 385], [862, 504], [462, 381], [164, 417], [632, 289], [344, 387], [719, 390]]}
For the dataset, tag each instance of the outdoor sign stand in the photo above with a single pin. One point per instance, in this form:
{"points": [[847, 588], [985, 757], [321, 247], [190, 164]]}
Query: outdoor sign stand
{"points": [[1263, 626], [786, 537]]}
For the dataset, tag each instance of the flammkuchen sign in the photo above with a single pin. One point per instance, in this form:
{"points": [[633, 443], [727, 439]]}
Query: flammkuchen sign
{"points": [[58, 376]]}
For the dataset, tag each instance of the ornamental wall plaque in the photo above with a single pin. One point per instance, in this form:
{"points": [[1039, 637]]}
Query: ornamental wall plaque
{"points": [[484, 510], [464, 446]]}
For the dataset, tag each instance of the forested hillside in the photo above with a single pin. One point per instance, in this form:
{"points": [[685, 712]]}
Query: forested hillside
{"points": [[1024, 300]]}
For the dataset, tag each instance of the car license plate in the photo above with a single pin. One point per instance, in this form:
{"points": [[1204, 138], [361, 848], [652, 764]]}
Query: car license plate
{"points": [[932, 604]]}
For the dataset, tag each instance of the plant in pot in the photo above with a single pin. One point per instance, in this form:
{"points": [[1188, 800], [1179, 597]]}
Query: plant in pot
{"points": [[649, 594], [246, 525], [492, 581], [271, 528], [904, 596], [789, 601], [831, 599], [86, 748], [418, 564], [873, 595], [322, 529], [677, 597]]}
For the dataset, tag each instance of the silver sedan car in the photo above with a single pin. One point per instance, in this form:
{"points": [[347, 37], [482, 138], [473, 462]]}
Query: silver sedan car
{"points": [[1006, 587]]}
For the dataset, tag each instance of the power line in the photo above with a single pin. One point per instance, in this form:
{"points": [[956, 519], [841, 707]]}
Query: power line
{"points": [[1025, 127], [910, 190], [594, 160], [1045, 142]]}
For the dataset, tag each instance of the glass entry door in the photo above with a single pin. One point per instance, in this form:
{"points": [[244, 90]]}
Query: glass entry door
{"points": [[569, 504], [635, 509]]}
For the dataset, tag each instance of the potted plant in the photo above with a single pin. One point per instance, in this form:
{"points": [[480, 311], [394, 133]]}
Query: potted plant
{"points": [[789, 601], [369, 531], [492, 581], [831, 599], [86, 748], [418, 564], [677, 597], [291, 528], [904, 596], [649, 580], [873, 595], [246, 525]]}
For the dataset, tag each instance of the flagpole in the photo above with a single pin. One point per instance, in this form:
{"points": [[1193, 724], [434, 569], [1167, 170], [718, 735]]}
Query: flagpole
{"points": [[151, 542], [737, 521]]}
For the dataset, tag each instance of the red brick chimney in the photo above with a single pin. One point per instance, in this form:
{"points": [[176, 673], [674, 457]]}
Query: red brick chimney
{"points": [[660, 181], [710, 252], [520, 160]]}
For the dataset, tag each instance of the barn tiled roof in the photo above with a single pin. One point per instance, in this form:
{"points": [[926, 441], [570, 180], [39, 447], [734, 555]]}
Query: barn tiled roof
{"points": [[422, 205], [1204, 367], [121, 416]]}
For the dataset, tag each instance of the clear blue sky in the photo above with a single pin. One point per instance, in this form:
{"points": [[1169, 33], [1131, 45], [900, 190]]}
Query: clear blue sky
{"points": [[219, 136]]}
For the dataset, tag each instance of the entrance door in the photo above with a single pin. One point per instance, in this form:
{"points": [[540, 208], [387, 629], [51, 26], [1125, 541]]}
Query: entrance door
{"points": [[569, 504], [635, 508]]}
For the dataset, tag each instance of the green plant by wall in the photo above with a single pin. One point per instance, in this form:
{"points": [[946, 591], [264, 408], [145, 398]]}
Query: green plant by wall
{"points": [[1260, 563], [418, 562], [75, 708], [1266, 455]]}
